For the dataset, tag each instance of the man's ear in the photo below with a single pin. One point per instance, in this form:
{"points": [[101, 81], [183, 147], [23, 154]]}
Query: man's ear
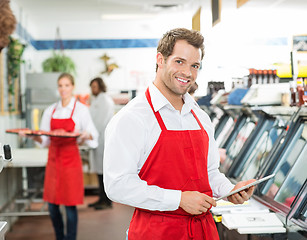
{"points": [[160, 59]]}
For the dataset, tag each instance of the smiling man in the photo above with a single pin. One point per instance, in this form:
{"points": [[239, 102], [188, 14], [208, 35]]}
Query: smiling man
{"points": [[160, 153]]}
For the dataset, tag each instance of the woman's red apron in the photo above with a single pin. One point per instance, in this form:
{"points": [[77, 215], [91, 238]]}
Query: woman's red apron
{"points": [[64, 176], [178, 161]]}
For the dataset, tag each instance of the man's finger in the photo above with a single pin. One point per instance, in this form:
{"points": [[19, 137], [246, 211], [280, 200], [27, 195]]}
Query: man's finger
{"points": [[211, 201]]}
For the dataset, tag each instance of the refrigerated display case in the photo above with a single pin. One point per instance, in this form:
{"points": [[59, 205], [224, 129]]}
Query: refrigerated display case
{"points": [[243, 128], [288, 164], [226, 124], [255, 151], [298, 212]]}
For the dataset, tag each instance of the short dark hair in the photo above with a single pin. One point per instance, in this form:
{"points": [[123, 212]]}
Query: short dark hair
{"points": [[193, 88], [102, 86], [69, 76], [167, 42]]}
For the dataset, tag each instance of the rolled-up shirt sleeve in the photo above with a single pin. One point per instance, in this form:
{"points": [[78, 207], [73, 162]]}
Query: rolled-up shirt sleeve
{"points": [[124, 148]]}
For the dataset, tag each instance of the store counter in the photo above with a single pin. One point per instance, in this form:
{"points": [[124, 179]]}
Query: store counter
{"points": [[28, 157], [3, 229], [14, 177]]}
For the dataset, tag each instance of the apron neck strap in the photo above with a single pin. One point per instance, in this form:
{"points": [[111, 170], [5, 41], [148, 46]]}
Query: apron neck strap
{"points": [[72, 112], [157, 114], [199, 123]]}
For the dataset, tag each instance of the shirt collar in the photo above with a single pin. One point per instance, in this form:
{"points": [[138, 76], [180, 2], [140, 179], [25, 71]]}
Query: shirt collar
{"points": [[159, 101], [69, 106]]}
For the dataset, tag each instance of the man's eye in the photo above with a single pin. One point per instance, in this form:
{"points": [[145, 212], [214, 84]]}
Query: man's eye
{"points": [[195, 66], [178, 61]]}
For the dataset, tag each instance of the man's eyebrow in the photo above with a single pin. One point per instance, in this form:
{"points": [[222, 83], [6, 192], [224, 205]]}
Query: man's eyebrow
{"points": [[180, 58], [183, 59]]}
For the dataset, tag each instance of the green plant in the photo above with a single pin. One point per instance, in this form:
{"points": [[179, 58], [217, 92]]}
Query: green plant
{"points": [[58, 62], [14, 53]]}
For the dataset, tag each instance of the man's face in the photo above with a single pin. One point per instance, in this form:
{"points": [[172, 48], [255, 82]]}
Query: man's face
{"points": [[95, 88], [180, 70]]}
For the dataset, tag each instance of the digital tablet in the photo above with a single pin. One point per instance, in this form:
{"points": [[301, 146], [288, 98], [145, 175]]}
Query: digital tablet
{"points": [[246, 186]]}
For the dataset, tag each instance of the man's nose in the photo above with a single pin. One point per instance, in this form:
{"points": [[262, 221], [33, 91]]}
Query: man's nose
{"points": [[187, 72]]}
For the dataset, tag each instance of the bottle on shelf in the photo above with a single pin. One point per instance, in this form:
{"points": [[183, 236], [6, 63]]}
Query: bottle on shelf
{"points": [[265, 76], [300, 91], [252, 73], [271, 77], [249, 78], [305, 91], [259, 76], [293, 93]]}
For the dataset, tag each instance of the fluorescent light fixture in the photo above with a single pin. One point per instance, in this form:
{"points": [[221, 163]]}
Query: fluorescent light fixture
{"points": [[127, 16]]}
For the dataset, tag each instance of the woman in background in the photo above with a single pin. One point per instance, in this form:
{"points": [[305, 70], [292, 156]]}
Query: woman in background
{"points": [[64, 177]]}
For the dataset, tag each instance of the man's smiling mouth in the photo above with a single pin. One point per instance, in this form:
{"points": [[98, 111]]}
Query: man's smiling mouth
{"points": [[182, 80]]}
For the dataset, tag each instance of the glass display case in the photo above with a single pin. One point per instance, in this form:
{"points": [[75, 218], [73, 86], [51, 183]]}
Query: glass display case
{"points": [[288, 165], [227, 124], [255, 152], [298, 212], [241, 132], [225, 120]]}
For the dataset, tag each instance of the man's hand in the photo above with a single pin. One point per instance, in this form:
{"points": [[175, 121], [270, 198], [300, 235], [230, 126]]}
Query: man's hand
{"points": [[196, 203], [241, 197]]}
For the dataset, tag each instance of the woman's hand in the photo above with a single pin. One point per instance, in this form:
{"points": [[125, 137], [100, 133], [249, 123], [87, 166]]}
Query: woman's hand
{"points": [[33, 137], [85, 136]]}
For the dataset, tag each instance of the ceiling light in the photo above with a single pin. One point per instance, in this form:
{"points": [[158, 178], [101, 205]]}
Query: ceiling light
{"points": [[126, 16]]}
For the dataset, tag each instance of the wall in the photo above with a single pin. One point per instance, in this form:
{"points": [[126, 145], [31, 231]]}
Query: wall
{"points": [[245, 37], [136, 64]]}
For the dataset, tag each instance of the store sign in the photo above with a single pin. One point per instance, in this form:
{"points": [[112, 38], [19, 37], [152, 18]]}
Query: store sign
{"points": [[216, 6], [196, 20], [300, 43], [241, 2]]}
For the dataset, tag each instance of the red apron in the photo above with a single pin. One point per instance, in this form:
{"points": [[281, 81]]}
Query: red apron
{"points": [[63, 176], [178, 161]]}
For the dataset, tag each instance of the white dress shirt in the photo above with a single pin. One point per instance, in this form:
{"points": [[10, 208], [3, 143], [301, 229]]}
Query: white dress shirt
{"points": [[81, 117], [131, 135]]}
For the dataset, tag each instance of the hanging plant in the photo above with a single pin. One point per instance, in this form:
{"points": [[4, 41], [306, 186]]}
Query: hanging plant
{"points": [[59, 63], [14, 53]]}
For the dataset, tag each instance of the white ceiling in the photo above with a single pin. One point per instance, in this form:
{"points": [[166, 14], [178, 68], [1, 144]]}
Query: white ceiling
{"points": [[93, 10]]}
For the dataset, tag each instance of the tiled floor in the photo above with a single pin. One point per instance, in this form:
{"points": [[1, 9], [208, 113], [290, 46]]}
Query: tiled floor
{"points": [[109, 224]]}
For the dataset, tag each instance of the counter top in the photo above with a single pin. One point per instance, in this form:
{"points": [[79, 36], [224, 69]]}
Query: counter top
{"points": [[31, 157], [28, 157]]}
